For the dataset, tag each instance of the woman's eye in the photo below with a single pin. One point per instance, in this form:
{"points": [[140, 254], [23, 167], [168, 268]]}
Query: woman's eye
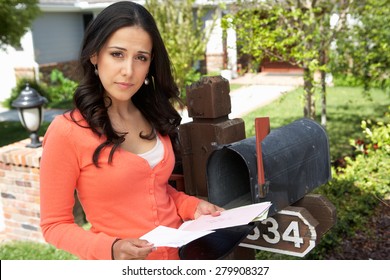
{"points": [[116, 54], [142, 58]]}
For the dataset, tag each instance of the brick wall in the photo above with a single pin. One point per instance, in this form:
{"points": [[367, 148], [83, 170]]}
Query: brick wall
{"points": [[19, 186], [214, 62], [24, 73], [69, 69]]}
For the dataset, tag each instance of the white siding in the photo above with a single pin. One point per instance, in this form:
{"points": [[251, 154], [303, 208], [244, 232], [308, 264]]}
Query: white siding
{"points": [[57, 37], [11, 58]]}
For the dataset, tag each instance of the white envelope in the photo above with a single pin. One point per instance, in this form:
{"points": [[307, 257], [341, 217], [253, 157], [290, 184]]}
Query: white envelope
{"points": [[233, 217]]}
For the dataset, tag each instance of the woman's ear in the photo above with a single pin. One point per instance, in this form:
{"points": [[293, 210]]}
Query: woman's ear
{"points": [[93, 59]]}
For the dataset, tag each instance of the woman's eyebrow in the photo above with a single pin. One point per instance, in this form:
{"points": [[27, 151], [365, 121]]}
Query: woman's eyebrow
{"points": [[124, 49], [144, 52], [119, 48]]}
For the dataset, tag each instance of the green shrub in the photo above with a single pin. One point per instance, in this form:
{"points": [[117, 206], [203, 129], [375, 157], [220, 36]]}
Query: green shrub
{"points": [[59, 92], [347, 81], [372, 161], [351, 80], [357, 188], [40, 87]]}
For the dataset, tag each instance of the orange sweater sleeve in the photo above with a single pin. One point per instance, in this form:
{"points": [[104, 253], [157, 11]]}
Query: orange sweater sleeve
{"points": [[58, 178], [185, 204]]}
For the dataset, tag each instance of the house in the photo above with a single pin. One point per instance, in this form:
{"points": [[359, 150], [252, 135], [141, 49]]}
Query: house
{"points": [[55, 37]]}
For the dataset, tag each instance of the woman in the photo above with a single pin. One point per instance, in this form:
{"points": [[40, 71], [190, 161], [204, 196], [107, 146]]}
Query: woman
{"points": [[115, 148]]}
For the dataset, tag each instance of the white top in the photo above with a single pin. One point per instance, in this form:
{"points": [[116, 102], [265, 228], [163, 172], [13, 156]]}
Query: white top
{"points": [[155, 155]]}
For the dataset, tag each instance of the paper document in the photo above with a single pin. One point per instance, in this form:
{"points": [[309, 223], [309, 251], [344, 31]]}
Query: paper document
{"points": [[163, 236], [261, 217], [229, 218], [206, 224]]}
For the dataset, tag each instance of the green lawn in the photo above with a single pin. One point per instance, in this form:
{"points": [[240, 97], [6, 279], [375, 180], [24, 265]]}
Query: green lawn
{"points": [[25, 250], [14, 131], [346, 108]]}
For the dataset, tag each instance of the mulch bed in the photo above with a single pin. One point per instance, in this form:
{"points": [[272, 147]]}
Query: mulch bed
{"points": [[373, 244]]}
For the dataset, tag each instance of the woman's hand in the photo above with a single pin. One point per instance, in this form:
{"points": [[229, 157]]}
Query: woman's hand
{"points": [[131, 249], [207, 208]]}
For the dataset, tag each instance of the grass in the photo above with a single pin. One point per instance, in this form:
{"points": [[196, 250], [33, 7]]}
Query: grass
{"points": [[26, 250], [14, 131], [235, 86], [346, 108]]}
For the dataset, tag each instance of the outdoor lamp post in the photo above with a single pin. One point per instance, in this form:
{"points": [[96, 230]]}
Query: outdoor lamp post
{"points": [[29, 105]]}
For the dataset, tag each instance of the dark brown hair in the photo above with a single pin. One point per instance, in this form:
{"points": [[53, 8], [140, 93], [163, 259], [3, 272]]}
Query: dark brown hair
{"points": [[155, 100]]}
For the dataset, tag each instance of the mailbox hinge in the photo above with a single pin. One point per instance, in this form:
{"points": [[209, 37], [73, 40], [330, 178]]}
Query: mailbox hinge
{"points": [[262, 190]]}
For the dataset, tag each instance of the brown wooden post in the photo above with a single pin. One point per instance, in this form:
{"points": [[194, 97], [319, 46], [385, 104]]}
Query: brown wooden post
{"points": [[209, 105], [321, 209]]}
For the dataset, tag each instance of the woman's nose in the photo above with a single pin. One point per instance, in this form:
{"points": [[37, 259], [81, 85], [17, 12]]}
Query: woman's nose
{"points": [[127, 68]]}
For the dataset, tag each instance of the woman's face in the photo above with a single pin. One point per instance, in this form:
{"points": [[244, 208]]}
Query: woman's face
{"points": [[123, 62]]}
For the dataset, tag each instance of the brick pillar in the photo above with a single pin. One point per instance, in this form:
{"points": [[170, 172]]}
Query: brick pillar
{"points": [[19, 186]]}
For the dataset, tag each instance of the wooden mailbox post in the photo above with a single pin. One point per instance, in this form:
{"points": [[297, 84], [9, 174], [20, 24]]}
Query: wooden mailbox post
{"points": [[209, 105]]}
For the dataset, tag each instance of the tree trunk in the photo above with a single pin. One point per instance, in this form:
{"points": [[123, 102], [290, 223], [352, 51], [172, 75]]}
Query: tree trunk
{"points": [[323, 61], [323, 99], [309, 107]]}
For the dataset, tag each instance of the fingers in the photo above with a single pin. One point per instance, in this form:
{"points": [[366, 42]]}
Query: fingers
{"points": [[206, 208], [140, 243], [132, 249], [216, 211], [140, 249]]}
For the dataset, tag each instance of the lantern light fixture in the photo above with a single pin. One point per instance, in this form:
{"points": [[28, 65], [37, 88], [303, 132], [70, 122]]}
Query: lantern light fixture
{"points": [[30, 110]]}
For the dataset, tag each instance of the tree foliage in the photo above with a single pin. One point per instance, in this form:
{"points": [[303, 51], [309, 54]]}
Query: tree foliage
{"points": [[362, 52], [294, 31], [16, 17], [184, 35]]}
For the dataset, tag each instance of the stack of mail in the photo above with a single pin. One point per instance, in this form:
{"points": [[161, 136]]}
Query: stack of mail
{"points": [[206, 224]]}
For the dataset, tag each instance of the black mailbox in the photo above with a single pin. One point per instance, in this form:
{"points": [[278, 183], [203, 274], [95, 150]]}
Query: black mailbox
{"points": [[296, 160]]}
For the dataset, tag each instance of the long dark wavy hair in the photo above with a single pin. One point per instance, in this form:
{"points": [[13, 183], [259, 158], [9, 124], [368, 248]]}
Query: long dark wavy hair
{"points": [[155, 100]]}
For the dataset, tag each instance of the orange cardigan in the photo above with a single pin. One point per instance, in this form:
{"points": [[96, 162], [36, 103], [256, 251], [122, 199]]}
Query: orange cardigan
{"points": [[124, 199]]}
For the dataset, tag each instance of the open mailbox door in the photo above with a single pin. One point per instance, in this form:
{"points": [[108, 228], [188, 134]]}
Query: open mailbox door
{"points": [[295, 159]]}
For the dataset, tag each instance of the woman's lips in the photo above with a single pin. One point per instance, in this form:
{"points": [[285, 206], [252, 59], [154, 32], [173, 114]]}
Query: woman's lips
{"points": [[124, 85]]}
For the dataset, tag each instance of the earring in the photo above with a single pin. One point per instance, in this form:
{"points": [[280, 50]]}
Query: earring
{"points": [[96, 70], [146, 82]]}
